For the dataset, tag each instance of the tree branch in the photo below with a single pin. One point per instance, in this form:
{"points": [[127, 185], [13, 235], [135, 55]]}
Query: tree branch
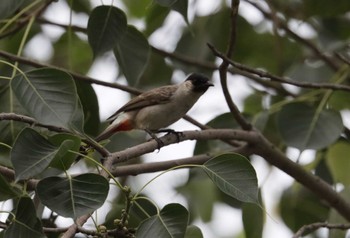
{"points": [[224, 67], [136, 169], [315, 226], [31, 121], [282, 25], [272, 77], [256, 144]]}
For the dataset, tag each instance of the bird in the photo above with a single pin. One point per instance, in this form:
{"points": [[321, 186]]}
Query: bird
{"points": [[153, 111]]}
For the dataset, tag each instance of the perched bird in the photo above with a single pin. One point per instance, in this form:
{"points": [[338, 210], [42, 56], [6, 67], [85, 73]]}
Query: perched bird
{"points": [[158, 108]]}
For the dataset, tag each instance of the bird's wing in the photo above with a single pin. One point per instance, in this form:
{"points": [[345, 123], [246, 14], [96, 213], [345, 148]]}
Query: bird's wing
{"points": [[155, 96]]}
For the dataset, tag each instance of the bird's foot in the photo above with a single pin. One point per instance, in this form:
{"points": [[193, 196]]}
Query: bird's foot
{"points": [[171, 131], [159, 142]]}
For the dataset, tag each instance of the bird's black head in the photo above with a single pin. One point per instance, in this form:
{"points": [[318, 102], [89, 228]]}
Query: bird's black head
{"points": [[200, 82]]}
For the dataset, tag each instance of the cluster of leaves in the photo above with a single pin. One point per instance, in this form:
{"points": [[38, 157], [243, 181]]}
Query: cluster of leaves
{"points": [[305, 119]]}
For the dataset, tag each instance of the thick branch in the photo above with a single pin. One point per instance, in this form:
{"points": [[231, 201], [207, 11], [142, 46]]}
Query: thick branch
{"points": [[271, 154], [136, 169], [259, 145], [256, 143]]}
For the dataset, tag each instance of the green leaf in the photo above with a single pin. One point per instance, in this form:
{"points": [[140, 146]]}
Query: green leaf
{"points": [[335, 218], [50, 96], [199, 205], [303, 127], [63, 158], [88, 99], [132, 53], [138, 8], [253, 219], [157, 73], [166, 3], [80, 6], [171, 222], [73, 196], [216, 146], [193, 232], [339, 100], [338, 162], [325, 8], [31, 154], [234, 175], [106, 25], [7, 191], [9, 103], [298, 207], [155, 18], [25, 224], [72, 53], [181, 7], [8, 7], [310, 73]]}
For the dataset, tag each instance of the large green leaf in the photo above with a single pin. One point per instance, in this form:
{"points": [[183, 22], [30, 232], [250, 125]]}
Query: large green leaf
{"points": [[234, 175], [176, 5], [304, 127], [132, 53], [50, 96], [299, 206], [199, 205], [25, 224], [157, 72], [155, 18], [8, 7], [73, 196], [216, 146], [7, 191], [8, 129], [72, 53], [338, 162], [310, 73], [63, 158], [31, 154], [171, 222], [253, 219], [107, 25]]}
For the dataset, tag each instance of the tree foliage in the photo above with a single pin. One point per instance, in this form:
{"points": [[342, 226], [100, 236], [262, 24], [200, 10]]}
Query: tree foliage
{"points": [[50, 115]]}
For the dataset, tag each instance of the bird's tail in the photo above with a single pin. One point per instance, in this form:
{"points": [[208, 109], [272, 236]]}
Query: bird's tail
{"points": [[121, 123]]}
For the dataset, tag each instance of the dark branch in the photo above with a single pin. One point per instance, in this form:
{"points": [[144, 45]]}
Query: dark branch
{"points": [[282, 25], [224, 67], [272, 77]]}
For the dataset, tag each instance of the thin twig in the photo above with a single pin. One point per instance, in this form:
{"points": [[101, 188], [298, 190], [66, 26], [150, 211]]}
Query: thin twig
{"points": [[282, 25], [272, 77], [31, 121], [317, 225], [224, 67], [187, 60]]}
